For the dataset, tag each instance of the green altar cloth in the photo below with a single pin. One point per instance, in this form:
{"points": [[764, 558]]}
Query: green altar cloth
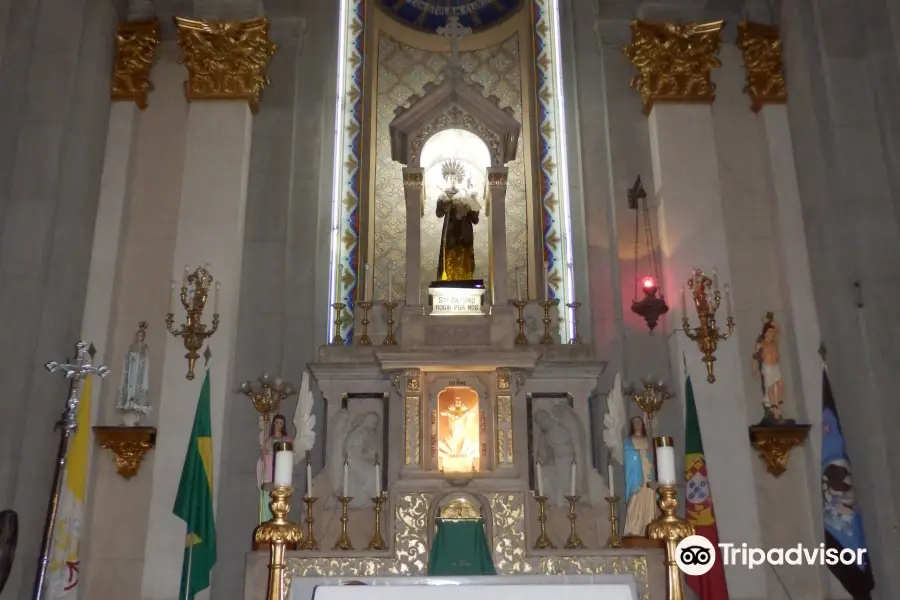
{"points": [[460, 548]]}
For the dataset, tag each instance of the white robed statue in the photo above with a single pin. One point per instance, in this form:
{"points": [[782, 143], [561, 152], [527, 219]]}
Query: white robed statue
{"points": [[560, 441], [357, 441], [133, 400]]}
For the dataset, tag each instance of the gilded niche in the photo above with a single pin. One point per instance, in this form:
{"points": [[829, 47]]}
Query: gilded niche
{"points": [[136, 43], [674, 61], [761, 47], [226, 60]]}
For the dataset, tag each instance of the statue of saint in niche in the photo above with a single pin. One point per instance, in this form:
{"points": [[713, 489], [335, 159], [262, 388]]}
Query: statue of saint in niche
{"points": [[766, 367], [459, 208]]}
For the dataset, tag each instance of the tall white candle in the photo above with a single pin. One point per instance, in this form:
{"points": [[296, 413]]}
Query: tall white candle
{"points": [[573, 479], [172, 296], [727, 301], [518, 286], [368, 273], [715, 280], [540, 479], [346, 472], [309, 489], [390, 281], [337, 277], [546, 281], [612, 480], [377, 479], [218, 289], [665, 465], [187, 271], [683, 305], [284, 468]]}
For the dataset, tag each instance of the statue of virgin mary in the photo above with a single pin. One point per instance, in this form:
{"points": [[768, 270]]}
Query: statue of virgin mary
{"points": [[640, 498]]}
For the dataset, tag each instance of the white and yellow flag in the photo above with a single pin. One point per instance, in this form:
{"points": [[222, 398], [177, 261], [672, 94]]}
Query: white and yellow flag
{"points": [[64, 559]]}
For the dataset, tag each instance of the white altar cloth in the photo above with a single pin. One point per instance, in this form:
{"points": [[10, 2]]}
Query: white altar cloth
{"points": [[506, 587]]}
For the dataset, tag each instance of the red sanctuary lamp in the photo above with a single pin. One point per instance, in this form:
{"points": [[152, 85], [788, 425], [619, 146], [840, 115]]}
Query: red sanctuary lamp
{"points": [[652, 306]]}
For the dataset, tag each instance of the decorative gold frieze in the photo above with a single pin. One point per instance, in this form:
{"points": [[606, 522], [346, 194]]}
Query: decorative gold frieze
{"points": [[136, 43], [411, 430], [415, 180], [128, 445], [226, 60], [496, 179], [504, 430], [761, 48], [674, 61], [774, 443]]}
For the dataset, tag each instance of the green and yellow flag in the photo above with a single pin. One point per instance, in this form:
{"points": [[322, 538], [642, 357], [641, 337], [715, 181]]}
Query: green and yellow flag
{"points": [[194, 502]]}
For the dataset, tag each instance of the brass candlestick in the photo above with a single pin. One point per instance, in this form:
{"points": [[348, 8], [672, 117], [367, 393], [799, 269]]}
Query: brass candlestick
{"points": [[364, 338], [377, 542], [343, 542], [521, 338], [547, 339], [310, 542], [672, 529], [576, 339], [195, 288], [543, 542], [613, 541], [651, 399], [338, 308], [707, 335], [574, 541], [389, 338], [278, 532]]}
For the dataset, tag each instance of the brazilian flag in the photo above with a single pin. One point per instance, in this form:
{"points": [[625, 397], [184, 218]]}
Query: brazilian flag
{"points": [[194, 502]]}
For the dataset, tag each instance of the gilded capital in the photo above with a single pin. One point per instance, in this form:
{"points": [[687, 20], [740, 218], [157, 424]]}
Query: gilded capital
{"points": [[497, 179], [226, 60], [761, 47], [674, 61], [136, 43], [413, 180]]}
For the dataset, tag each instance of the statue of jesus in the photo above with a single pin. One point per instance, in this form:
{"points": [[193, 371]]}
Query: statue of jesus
{"points": [[767, 367], [459, 209]]}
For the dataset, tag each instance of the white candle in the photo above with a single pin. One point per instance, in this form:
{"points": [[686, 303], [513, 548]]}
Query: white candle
{"points": [[540, 480], [368, 273], [715, 280], [284, 468], [184, 280], [309, 489], [573, 478], [346, 472], [665, 465], [377, 479], [727, 301], [390, 281], [547, 280], [683, 305], [218, 289], [171, 295], [337, 278], [518, 286], [611, 480]]}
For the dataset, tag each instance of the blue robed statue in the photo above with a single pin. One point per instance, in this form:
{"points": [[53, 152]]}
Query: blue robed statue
{"points": [[640, 498]]}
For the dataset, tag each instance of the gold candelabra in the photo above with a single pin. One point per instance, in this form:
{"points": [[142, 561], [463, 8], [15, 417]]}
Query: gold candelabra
{"points": [[195, 288], [343, 542], [575, 339], [543, 541], [651, 399], [377, 542], [278, 532], [547, 339], [672, 529], [389, 337], [521, 338], [267, 399], [574, 541], [310, 542], [613, 541], [338, 307], [364, 339], [707, 298]]}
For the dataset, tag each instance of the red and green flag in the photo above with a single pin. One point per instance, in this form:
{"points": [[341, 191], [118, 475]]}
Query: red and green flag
{"points": [[698, 502]]}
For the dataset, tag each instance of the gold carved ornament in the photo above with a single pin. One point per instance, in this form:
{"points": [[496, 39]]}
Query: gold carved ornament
{"points": [[226, 60], [774, 443], [761, 48], [128, 445], [136, 43], [674, 61]]}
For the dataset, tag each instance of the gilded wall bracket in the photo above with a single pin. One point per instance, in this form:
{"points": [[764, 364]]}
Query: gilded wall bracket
{"points": [[775, 442], [226, 60], [136, 43], [761, 48], [128, 445], [674, 61]]}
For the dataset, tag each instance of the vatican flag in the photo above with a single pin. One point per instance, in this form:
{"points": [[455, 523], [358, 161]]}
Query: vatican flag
{"points": [[64, 559]]}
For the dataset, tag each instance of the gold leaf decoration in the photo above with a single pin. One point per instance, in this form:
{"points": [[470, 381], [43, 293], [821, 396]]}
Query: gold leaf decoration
{"points": [[761, 48], [136, 43]]}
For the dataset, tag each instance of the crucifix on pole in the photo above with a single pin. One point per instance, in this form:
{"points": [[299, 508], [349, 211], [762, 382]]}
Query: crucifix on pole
{"points": [[454, 31]]}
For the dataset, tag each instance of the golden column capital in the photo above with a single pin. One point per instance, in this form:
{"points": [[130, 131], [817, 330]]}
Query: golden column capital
{"points": [[761, 48], [226, 60], [674, 61], [136, 43]]}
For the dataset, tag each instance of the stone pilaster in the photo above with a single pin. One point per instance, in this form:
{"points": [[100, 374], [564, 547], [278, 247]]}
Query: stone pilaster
{"points": [[674, 64], [413, 191], [496, 178]]}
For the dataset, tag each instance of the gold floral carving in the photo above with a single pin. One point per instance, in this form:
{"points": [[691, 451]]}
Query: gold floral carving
{"points": [[460, 508], [415, 180], [674, 61], [128, 445], [136, 43], [496, 179], [456, 118], [226, 60], [502, 380], [774, 444], [504, 430], [411, 430], [761, 48], [412, 381]]}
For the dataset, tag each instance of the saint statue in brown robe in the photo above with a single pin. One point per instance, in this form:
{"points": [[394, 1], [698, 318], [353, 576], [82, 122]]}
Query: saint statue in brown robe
{"points": [[459, 209]]}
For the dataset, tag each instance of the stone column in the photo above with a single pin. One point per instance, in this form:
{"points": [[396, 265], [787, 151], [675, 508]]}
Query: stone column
{"points": [[496, 177], [413, 190], [692, 232], [223, 93]]}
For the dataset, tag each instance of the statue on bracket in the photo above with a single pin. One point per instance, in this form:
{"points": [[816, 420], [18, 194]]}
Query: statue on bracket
{"points": [[356, 440], [640, 498], [560, 440], [766, 367], [132, 400], [459, 208]]}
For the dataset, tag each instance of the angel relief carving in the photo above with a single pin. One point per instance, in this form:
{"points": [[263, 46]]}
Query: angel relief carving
{"points": [[560, 439], [357, 440]]}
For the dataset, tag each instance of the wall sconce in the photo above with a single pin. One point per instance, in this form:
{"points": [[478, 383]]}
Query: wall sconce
{"points": [[267, 399], [195, 288], [707, 298], [652, 304], [650, 398]]}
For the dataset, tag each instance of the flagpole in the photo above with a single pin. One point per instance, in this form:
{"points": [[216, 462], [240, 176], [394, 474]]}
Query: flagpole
{"points": [[187, 576]]}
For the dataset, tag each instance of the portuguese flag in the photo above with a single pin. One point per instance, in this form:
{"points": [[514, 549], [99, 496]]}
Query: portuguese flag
{"points": [[699, 505], [194, 502]]}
